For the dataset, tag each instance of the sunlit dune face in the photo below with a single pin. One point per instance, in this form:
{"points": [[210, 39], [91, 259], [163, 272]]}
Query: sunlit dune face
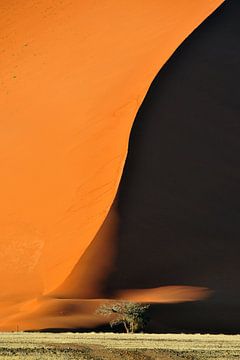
{"points": [[73, 75], [54, 313]]}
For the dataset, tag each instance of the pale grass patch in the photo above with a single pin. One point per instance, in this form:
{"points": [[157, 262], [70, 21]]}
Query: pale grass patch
{"points": [[44, 346]]}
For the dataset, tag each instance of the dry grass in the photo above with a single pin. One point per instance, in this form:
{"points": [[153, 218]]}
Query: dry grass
{"points": [[107, 346]]}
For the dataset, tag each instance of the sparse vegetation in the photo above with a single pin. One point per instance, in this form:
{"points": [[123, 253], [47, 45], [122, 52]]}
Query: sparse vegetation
{"points": [[133, 316], [109, 346]]}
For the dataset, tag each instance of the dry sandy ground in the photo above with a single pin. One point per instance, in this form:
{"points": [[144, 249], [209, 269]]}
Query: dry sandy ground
{"points": [[109, 346]]}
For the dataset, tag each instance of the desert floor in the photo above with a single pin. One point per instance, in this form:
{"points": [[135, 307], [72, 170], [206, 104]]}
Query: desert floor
{"points": [[93, 346]]}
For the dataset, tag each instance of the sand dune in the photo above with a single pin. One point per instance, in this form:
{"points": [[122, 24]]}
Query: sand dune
{"points": [[73, 75], [178, 200]]}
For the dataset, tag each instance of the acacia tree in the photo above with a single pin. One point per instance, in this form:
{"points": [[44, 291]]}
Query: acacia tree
{"points": [[133, 316]]}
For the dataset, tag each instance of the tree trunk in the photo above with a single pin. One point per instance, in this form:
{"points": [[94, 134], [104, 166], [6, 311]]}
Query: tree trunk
{"points": [[132, 327], [125, 325]]}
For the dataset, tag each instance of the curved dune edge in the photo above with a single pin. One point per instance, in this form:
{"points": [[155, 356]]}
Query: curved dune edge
{"points": [[54, 155], [109, 211]]}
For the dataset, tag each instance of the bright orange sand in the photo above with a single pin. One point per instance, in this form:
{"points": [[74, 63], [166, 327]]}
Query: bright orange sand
{"points": [[73, 75]]}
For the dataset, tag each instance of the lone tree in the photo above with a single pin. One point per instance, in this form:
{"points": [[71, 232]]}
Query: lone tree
{"points": [[133, 316]]}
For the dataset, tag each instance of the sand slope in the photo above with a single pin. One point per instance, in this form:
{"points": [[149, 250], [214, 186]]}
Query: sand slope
{"points": [[73, 75], [178, 200]]}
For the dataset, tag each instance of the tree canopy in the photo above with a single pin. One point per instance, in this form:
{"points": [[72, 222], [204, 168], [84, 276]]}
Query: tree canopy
{"points": [[133, 316]]}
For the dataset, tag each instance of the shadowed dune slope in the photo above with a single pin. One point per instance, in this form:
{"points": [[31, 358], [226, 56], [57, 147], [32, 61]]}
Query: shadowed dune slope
{"points": [[73, 75]]}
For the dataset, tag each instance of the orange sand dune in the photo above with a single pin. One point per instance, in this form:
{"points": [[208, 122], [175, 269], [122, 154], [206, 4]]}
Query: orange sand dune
{"points": [[73, 75]]}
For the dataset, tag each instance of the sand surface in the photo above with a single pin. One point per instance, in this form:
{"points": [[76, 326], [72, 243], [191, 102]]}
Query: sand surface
{"points": [[178, 200], [73, 75]]}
